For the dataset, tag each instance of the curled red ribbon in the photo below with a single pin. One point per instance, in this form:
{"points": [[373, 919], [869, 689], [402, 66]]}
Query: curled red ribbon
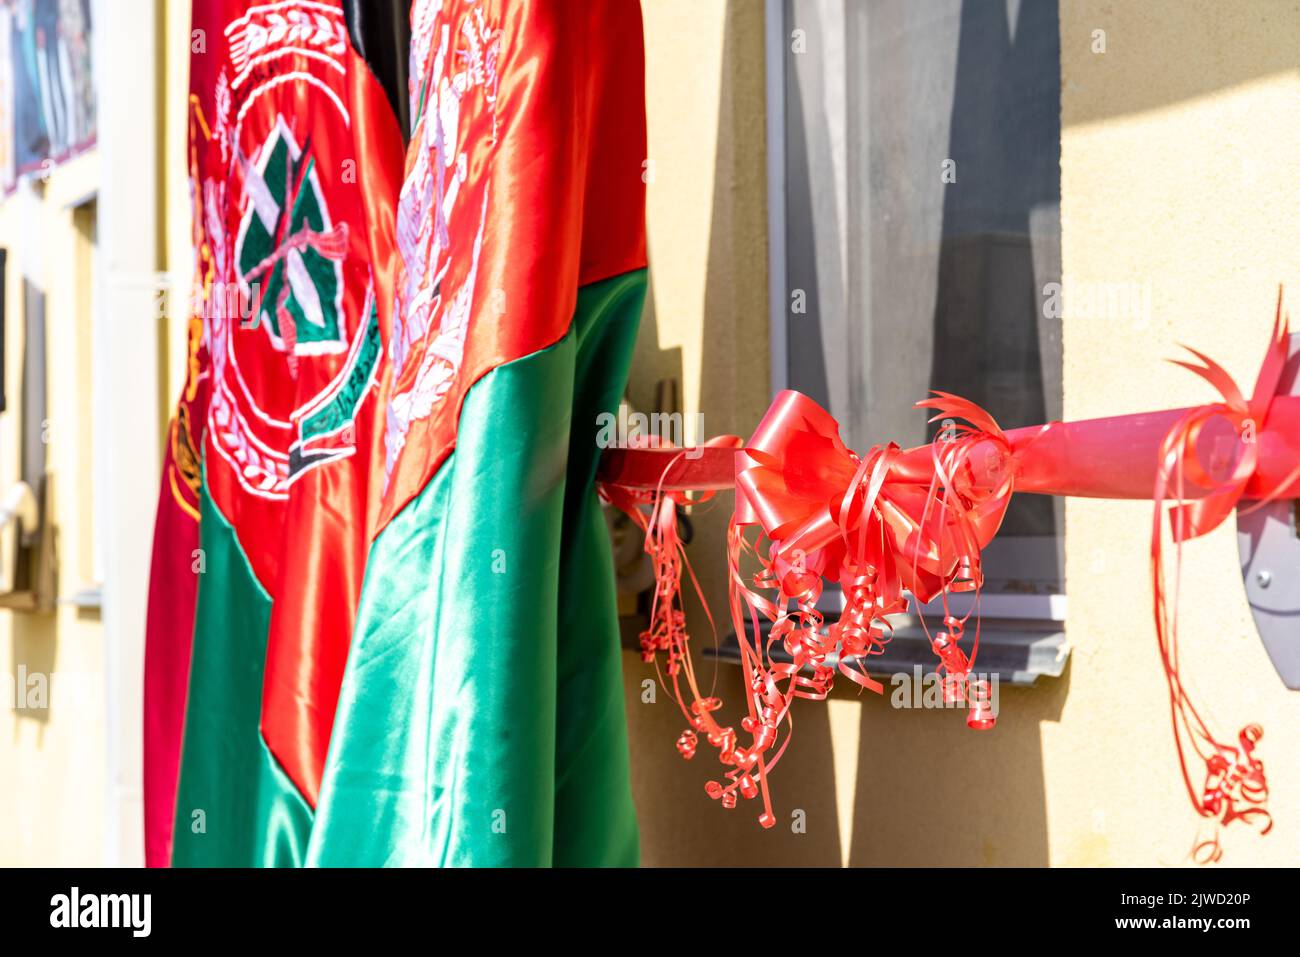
{"points": [[890, 524], [1234, 786], [878, 525], [654, 512]]}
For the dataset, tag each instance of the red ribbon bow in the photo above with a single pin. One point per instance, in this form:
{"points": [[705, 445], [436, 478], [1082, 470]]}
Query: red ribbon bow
{"points": [[879, 527]]}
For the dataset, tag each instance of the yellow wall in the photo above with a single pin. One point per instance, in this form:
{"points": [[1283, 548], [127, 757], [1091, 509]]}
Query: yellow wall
{"points": [[52, 758], [72, 771], [1178, 160], [1178, 164], [705, 322]]}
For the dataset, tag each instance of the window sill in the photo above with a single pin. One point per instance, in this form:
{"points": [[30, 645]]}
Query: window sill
{"points": [[1016, 651]]}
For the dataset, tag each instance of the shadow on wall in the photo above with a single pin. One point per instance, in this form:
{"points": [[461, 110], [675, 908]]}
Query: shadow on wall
{"points": [[931, 792], [33, 654], [650, 363], [1134, 84], [680, 824], [962, 797]]}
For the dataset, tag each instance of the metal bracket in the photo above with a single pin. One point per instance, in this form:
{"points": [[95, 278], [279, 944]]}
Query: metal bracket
{"points": [[1269, 548]]}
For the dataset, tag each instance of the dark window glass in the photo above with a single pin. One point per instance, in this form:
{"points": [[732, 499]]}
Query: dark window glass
{"points": [[922, 226]]}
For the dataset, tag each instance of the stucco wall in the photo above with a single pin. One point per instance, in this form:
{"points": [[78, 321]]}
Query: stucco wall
{"points": [[52, 703], [1178, 168], [705, 325], [1178, 158], [73, 768]]}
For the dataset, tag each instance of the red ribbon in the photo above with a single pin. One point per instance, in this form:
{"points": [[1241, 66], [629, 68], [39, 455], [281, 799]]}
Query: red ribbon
{"points": [[878, 526], [1234, 786], [888, 524], [655, 513]]}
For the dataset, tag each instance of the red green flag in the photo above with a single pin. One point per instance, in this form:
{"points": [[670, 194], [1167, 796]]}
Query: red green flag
{"points": [[295, 169], [481, 716], [409, 391]]}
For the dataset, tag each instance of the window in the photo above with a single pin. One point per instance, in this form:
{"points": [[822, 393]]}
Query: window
{"points": [[914, 165]]}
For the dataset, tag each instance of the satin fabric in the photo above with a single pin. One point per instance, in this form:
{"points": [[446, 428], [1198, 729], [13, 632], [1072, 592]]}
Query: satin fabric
{"points": [[295, 165], [173, 591], [224, 799], [332, 508], [531, 124], [168, 634], [481, 719], [525, 179]]}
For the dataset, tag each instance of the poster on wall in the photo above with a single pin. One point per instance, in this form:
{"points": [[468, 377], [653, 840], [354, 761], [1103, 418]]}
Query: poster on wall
{"points": [[47, 101]]}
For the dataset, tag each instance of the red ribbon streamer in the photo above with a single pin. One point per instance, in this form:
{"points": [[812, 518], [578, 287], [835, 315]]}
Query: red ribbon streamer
{"points": [[890, 523], [868, 522], [1234, 786]]}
